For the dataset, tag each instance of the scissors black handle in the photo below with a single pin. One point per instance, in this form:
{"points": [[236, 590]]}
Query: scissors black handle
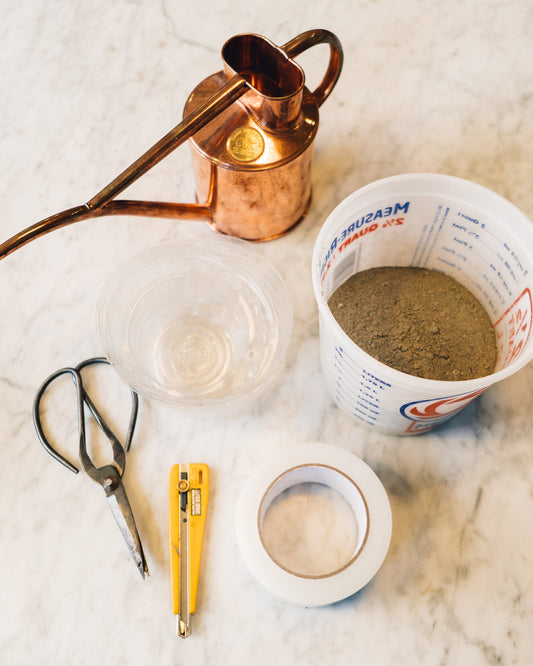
{"points": [[119, 451]]}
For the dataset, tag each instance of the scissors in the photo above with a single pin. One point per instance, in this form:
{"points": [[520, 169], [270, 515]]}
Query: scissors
{"points": [[107, 476]]}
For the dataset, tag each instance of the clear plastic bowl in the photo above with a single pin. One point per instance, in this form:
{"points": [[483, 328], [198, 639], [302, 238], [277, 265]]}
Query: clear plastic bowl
{"points": [[203, 322]]}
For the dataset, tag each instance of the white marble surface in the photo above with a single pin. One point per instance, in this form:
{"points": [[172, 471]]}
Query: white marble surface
{"points": [[86, 88]]}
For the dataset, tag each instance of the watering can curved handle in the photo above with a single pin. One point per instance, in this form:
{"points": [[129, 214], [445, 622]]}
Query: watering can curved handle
{"points": [[309, 39]]}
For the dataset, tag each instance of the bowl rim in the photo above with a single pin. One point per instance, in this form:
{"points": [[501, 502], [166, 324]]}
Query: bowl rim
{"points": [[252, 268]]}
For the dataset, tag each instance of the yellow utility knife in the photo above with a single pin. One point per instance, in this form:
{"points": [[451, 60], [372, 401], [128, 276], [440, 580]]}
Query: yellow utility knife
{"points": [[188, 496]]}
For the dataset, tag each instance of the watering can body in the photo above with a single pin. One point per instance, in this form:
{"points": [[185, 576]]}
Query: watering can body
{"points": [[257, 185], [252, 163]]}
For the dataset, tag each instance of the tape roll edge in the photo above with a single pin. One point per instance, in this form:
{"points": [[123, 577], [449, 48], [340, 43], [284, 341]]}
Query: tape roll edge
{"points": [[289, 587]]}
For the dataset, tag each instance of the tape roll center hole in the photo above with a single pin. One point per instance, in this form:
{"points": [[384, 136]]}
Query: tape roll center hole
{"points": [[313, 521]]}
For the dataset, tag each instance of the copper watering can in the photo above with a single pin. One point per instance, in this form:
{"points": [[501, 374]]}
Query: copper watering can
{"points": [[251, 159]]}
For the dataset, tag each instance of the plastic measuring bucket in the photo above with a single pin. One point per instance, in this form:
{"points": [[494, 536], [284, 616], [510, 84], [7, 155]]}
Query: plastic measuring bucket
{"points": [[438, 222]]}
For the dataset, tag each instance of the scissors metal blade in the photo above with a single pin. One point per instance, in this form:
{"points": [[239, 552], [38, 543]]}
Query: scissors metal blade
{"points": [[121, 509]]}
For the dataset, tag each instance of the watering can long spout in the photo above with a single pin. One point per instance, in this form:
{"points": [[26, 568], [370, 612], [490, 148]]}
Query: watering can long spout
{"points": [[104, 203]]}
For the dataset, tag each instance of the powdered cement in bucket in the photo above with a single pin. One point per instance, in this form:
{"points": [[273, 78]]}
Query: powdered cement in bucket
{"points": [[418, 321]]}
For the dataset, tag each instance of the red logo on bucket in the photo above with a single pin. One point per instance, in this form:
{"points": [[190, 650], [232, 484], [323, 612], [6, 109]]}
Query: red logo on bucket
{"points": [[517, 321], [426, 414]]}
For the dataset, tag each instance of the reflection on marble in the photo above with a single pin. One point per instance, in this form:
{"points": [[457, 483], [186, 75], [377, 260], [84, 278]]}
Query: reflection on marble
{"points": [[427, 86]]}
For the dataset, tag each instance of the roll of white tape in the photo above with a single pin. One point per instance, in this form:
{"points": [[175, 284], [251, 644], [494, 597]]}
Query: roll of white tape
{"points": [[355, 481]]}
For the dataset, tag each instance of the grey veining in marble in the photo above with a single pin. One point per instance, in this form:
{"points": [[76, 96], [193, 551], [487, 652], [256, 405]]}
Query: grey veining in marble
{"points": [[86, 88]]}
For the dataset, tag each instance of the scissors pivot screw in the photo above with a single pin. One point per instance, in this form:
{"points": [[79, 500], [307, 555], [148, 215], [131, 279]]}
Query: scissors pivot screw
{"points": [[111, 483]]}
